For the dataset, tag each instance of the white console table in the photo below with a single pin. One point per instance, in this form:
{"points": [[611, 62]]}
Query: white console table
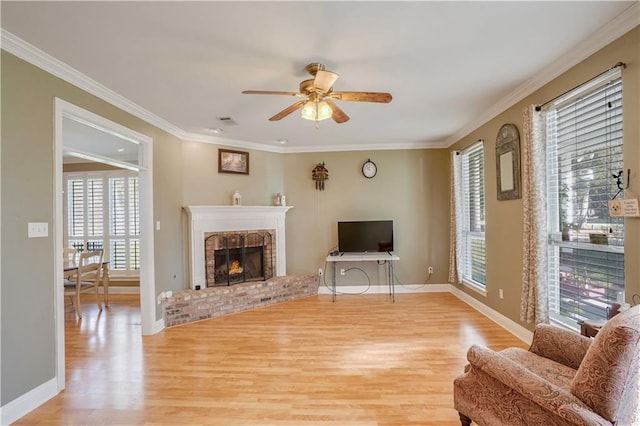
{"points": [[386, 257]]}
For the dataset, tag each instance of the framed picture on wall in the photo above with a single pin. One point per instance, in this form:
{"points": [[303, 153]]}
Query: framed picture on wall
{"points": [[233, 161]]}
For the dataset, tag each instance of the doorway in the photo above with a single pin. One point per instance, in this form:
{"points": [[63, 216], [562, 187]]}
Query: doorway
{"points": [[68, 115]]}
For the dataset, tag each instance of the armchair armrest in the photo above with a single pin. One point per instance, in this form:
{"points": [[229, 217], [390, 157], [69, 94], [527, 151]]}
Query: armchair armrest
{"points": [[560, 345], [531, 386]]}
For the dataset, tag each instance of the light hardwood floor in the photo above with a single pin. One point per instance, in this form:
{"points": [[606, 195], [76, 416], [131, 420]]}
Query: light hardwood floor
{"points": [[362, 360]]}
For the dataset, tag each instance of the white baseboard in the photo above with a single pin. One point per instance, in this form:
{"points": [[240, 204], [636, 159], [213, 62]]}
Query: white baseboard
{"points": [[28, 402], [121, 290], [383, 289], [511, 326], [158, 326]]}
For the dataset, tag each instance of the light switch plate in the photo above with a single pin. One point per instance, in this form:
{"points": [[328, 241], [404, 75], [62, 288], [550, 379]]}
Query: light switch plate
{"points": [[37, 229]]}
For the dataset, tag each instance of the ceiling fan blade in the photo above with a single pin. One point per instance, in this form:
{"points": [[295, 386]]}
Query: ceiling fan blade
{"points": [[272, 92], [324, 80], [381, 97], [282, 114], [338, 115]]}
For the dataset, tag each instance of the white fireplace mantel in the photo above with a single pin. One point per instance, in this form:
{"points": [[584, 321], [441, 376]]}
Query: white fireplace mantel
{"points": [[204, 219]]}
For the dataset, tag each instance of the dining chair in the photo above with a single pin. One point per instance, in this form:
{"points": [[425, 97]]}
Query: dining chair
{"points": [[86, 279], [69, 255]]}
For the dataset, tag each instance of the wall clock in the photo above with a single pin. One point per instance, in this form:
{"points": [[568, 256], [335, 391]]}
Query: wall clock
{"points": [[369, 169]]}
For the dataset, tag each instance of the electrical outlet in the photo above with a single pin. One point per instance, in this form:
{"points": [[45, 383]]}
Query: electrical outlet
{"points": [[501, 294], [430, 270], [341, 271], [320, 272]]}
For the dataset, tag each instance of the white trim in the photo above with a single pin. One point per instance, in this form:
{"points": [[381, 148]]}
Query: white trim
{"points": [[204, 219], [147, 259], [475, 287], [43, 60], [368, 147], [614, 29], [58, 241], [121, 289], [383, 288], [158, 326], [28, 402], [511, 326]]}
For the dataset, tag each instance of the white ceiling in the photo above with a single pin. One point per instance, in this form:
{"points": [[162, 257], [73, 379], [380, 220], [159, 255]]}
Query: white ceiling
{"points": [[448, 65]]}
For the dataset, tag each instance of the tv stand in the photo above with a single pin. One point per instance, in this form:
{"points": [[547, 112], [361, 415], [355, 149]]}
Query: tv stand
{"points": [[387, 257]]}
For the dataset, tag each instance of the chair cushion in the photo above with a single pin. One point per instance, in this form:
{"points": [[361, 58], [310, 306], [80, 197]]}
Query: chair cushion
{"points": [[603, 376], [553, 372]]}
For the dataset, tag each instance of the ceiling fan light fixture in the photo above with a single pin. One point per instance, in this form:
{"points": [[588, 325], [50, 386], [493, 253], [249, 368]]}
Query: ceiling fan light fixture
{"points": [[316, 111]]}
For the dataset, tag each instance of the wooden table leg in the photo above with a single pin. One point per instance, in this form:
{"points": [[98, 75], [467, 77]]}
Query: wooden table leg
{"points": [[105, 283]]}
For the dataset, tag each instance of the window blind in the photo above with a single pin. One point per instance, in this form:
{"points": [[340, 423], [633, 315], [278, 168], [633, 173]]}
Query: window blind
{"points": [[474, 261], [586, 251]]}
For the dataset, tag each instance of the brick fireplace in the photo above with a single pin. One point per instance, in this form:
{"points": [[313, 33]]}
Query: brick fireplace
{"points": [[220, 235]]}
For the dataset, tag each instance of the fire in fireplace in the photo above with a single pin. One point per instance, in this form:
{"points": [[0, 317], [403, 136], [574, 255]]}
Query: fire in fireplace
{"points": [[235, 257]]}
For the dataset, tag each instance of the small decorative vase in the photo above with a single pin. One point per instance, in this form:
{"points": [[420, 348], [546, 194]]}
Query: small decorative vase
{"points": [[237, 199]]}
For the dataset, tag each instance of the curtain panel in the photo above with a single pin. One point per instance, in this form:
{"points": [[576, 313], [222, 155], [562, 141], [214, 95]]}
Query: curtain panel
{"points": [[534, 301], [455, 225]]}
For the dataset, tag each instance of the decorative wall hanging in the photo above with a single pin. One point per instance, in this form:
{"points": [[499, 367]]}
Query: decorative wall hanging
{"points": [[508, 162], [320, 174], [233, 161]]}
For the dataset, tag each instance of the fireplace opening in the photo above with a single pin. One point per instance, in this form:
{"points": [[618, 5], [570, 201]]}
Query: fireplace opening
{"points": [[239, 265], [236, 257]]}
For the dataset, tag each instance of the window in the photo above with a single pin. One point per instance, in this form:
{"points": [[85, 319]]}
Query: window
{"points": [[99, 202], [586, 245], [472, 225]]}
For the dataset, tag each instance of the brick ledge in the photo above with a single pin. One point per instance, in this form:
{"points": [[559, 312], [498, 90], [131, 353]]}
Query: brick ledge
{"points": [[194, 305]]}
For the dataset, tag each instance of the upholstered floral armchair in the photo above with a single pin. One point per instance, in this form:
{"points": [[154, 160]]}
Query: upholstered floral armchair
{"points": [[563, 379]]}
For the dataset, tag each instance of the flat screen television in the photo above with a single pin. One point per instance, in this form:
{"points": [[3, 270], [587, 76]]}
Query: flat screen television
{"points": [[365, 236]]}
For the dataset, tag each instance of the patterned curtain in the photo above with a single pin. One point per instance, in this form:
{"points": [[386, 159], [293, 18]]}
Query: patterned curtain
{"points": [[455, 192], [534, 301]]}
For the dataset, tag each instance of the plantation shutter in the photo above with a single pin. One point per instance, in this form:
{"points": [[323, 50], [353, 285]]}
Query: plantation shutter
{"points": [[118, 218], [75, 203], [134, 224], [103, 214]]}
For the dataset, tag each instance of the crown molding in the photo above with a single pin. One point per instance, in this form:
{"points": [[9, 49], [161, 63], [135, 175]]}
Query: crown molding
{"points": [[48, 63], [614, 29], [236, 143], [617, 27], [367, 147]]}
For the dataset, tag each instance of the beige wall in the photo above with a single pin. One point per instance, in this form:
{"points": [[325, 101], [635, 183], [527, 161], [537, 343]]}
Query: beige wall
{"points": [[504, 218], [203, 185], [411, 188], [28, 350]]}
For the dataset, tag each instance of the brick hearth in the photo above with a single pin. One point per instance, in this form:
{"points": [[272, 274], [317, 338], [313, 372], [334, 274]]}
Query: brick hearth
{"points": [[194, 305]]}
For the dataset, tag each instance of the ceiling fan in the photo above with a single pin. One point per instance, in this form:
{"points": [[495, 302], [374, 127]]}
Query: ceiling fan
{"points": [[318, 97]]}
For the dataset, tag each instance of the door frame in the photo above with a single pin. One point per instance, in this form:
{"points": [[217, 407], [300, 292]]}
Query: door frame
{"points": [[64, 109]]}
